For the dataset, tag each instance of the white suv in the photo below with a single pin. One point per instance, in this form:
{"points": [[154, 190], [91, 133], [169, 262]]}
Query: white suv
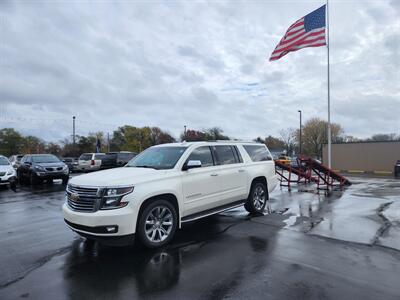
{"points": [[167, 185]]}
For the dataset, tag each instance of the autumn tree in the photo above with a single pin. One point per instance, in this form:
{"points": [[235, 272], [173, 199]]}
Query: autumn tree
{"points": [[274, 142], [10, 141], [314, 136], [214, 133]]}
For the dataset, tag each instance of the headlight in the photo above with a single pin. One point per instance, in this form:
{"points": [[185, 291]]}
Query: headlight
{"points": [[10, 172], [65, 168], [112, 197], [39, 168]]}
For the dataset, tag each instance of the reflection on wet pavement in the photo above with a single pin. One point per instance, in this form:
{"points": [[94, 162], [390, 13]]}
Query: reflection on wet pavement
{"points": [[231, 254], [355, 214]]}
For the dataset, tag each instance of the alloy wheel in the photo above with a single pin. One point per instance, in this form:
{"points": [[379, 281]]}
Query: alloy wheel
{"points": [[158, 224], [259, 197]]}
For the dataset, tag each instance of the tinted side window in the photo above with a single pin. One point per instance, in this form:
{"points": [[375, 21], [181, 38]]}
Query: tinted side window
{"points": [[257, 153], [225, 155], [204, 155]]}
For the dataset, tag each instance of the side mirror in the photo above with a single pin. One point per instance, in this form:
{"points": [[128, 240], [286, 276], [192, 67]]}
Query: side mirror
{"points": [[191, 164]]}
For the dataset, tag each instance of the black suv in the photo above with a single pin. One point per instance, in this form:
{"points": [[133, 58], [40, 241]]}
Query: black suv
{"points": [[120, 159], [39, 167]]}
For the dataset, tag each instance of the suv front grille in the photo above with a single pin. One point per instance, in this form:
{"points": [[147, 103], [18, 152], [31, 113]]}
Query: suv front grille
{"points": [[82, 198], [54, 169]]}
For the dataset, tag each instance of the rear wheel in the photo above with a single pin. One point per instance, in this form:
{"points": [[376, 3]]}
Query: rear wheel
{"points": [[257, 199], [157, 224]]}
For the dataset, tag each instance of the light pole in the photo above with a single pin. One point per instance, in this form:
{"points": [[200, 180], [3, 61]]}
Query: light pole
{"points": [[300, 133], [73, 133], [184, 132]]}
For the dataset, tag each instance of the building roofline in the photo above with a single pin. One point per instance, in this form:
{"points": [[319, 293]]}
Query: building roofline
{"points": [[364, 142]]}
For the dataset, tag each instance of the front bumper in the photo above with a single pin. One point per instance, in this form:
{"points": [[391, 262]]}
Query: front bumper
{"points": [[7, 179], [119, 240], [87, 168], [96, 223], [51, 175]]}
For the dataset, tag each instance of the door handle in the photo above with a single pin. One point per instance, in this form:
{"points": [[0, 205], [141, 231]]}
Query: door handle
{"points": [[214, 174], [241, 170]]}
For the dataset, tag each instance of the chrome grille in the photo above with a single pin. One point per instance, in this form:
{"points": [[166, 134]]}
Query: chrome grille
{"points": [[82, 198]]}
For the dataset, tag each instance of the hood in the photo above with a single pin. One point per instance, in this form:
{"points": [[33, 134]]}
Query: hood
{"points": [[6, 168], [53, 164], [118, 177]]}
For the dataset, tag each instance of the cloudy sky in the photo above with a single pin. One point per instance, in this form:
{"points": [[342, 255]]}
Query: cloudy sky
{"points": [[194, 63]]}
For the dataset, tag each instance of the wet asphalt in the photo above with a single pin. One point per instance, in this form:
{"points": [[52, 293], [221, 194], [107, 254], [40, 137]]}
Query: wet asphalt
{"points": [[308, 245]]}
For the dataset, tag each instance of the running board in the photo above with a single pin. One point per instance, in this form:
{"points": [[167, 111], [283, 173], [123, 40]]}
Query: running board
{"points": [[212, 211]]}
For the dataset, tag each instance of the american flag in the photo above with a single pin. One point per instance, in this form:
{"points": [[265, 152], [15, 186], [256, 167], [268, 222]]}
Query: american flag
{"points": [[309, 31]]}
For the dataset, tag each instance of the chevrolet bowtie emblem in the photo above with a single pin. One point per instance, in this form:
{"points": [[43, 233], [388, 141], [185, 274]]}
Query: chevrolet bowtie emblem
{"points": [[74, 197]]}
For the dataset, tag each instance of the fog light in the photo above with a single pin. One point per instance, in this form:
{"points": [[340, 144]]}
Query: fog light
{"points": [[111, 229]]}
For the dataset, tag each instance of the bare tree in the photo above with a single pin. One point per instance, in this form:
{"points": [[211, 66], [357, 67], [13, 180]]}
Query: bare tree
{"points": [[288, 137]]}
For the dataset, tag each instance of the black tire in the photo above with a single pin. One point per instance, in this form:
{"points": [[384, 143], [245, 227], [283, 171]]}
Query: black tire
{"points": [[257, 199], [161, 213]]}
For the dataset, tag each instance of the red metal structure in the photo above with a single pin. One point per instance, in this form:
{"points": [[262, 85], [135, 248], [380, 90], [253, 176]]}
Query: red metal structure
{"points": [[309, 170]]}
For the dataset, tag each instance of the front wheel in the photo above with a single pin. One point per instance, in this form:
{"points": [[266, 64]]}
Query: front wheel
{"points": [[257, 199], [157, 224]]}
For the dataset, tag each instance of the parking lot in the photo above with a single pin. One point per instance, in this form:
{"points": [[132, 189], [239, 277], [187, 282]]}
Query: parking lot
{"points": [[345, 245]]}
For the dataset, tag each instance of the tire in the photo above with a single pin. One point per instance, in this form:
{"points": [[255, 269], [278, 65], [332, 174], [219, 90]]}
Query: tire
{"points": [[164, 220], [257, 199]]}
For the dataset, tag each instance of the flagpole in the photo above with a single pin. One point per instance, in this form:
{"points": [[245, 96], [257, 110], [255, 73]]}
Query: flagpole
{"points": [[329, 92]]}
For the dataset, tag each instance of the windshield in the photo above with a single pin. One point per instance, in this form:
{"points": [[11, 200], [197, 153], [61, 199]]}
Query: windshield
{"points": [[158, 158], [4, 161], [45, 159]]}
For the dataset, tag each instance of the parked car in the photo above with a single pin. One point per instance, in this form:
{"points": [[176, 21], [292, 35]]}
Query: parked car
{"points": [[397, 169], [122, 157], [36, 168], [15, 160], [7, 172], [108, 161], [284, 160], [71, 162], [89, 162], [167, 185]]}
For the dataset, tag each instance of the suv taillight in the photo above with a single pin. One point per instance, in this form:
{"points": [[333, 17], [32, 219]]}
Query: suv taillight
{"points": [[92, 162]]}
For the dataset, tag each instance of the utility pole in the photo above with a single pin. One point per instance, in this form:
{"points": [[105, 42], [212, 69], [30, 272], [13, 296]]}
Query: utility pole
{"points": [[108, 142], [300, 133], [184, 132], [73, 134]]}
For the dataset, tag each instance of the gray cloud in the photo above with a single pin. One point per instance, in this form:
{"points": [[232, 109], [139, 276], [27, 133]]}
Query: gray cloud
{"points": [[171, 64]]}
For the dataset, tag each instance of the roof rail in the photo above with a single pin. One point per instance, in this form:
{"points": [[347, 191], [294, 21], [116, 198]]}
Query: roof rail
{"points": [[223, 141]]}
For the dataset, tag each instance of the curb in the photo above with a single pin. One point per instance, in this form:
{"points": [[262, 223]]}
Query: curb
{"points": [[386, 173]]}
